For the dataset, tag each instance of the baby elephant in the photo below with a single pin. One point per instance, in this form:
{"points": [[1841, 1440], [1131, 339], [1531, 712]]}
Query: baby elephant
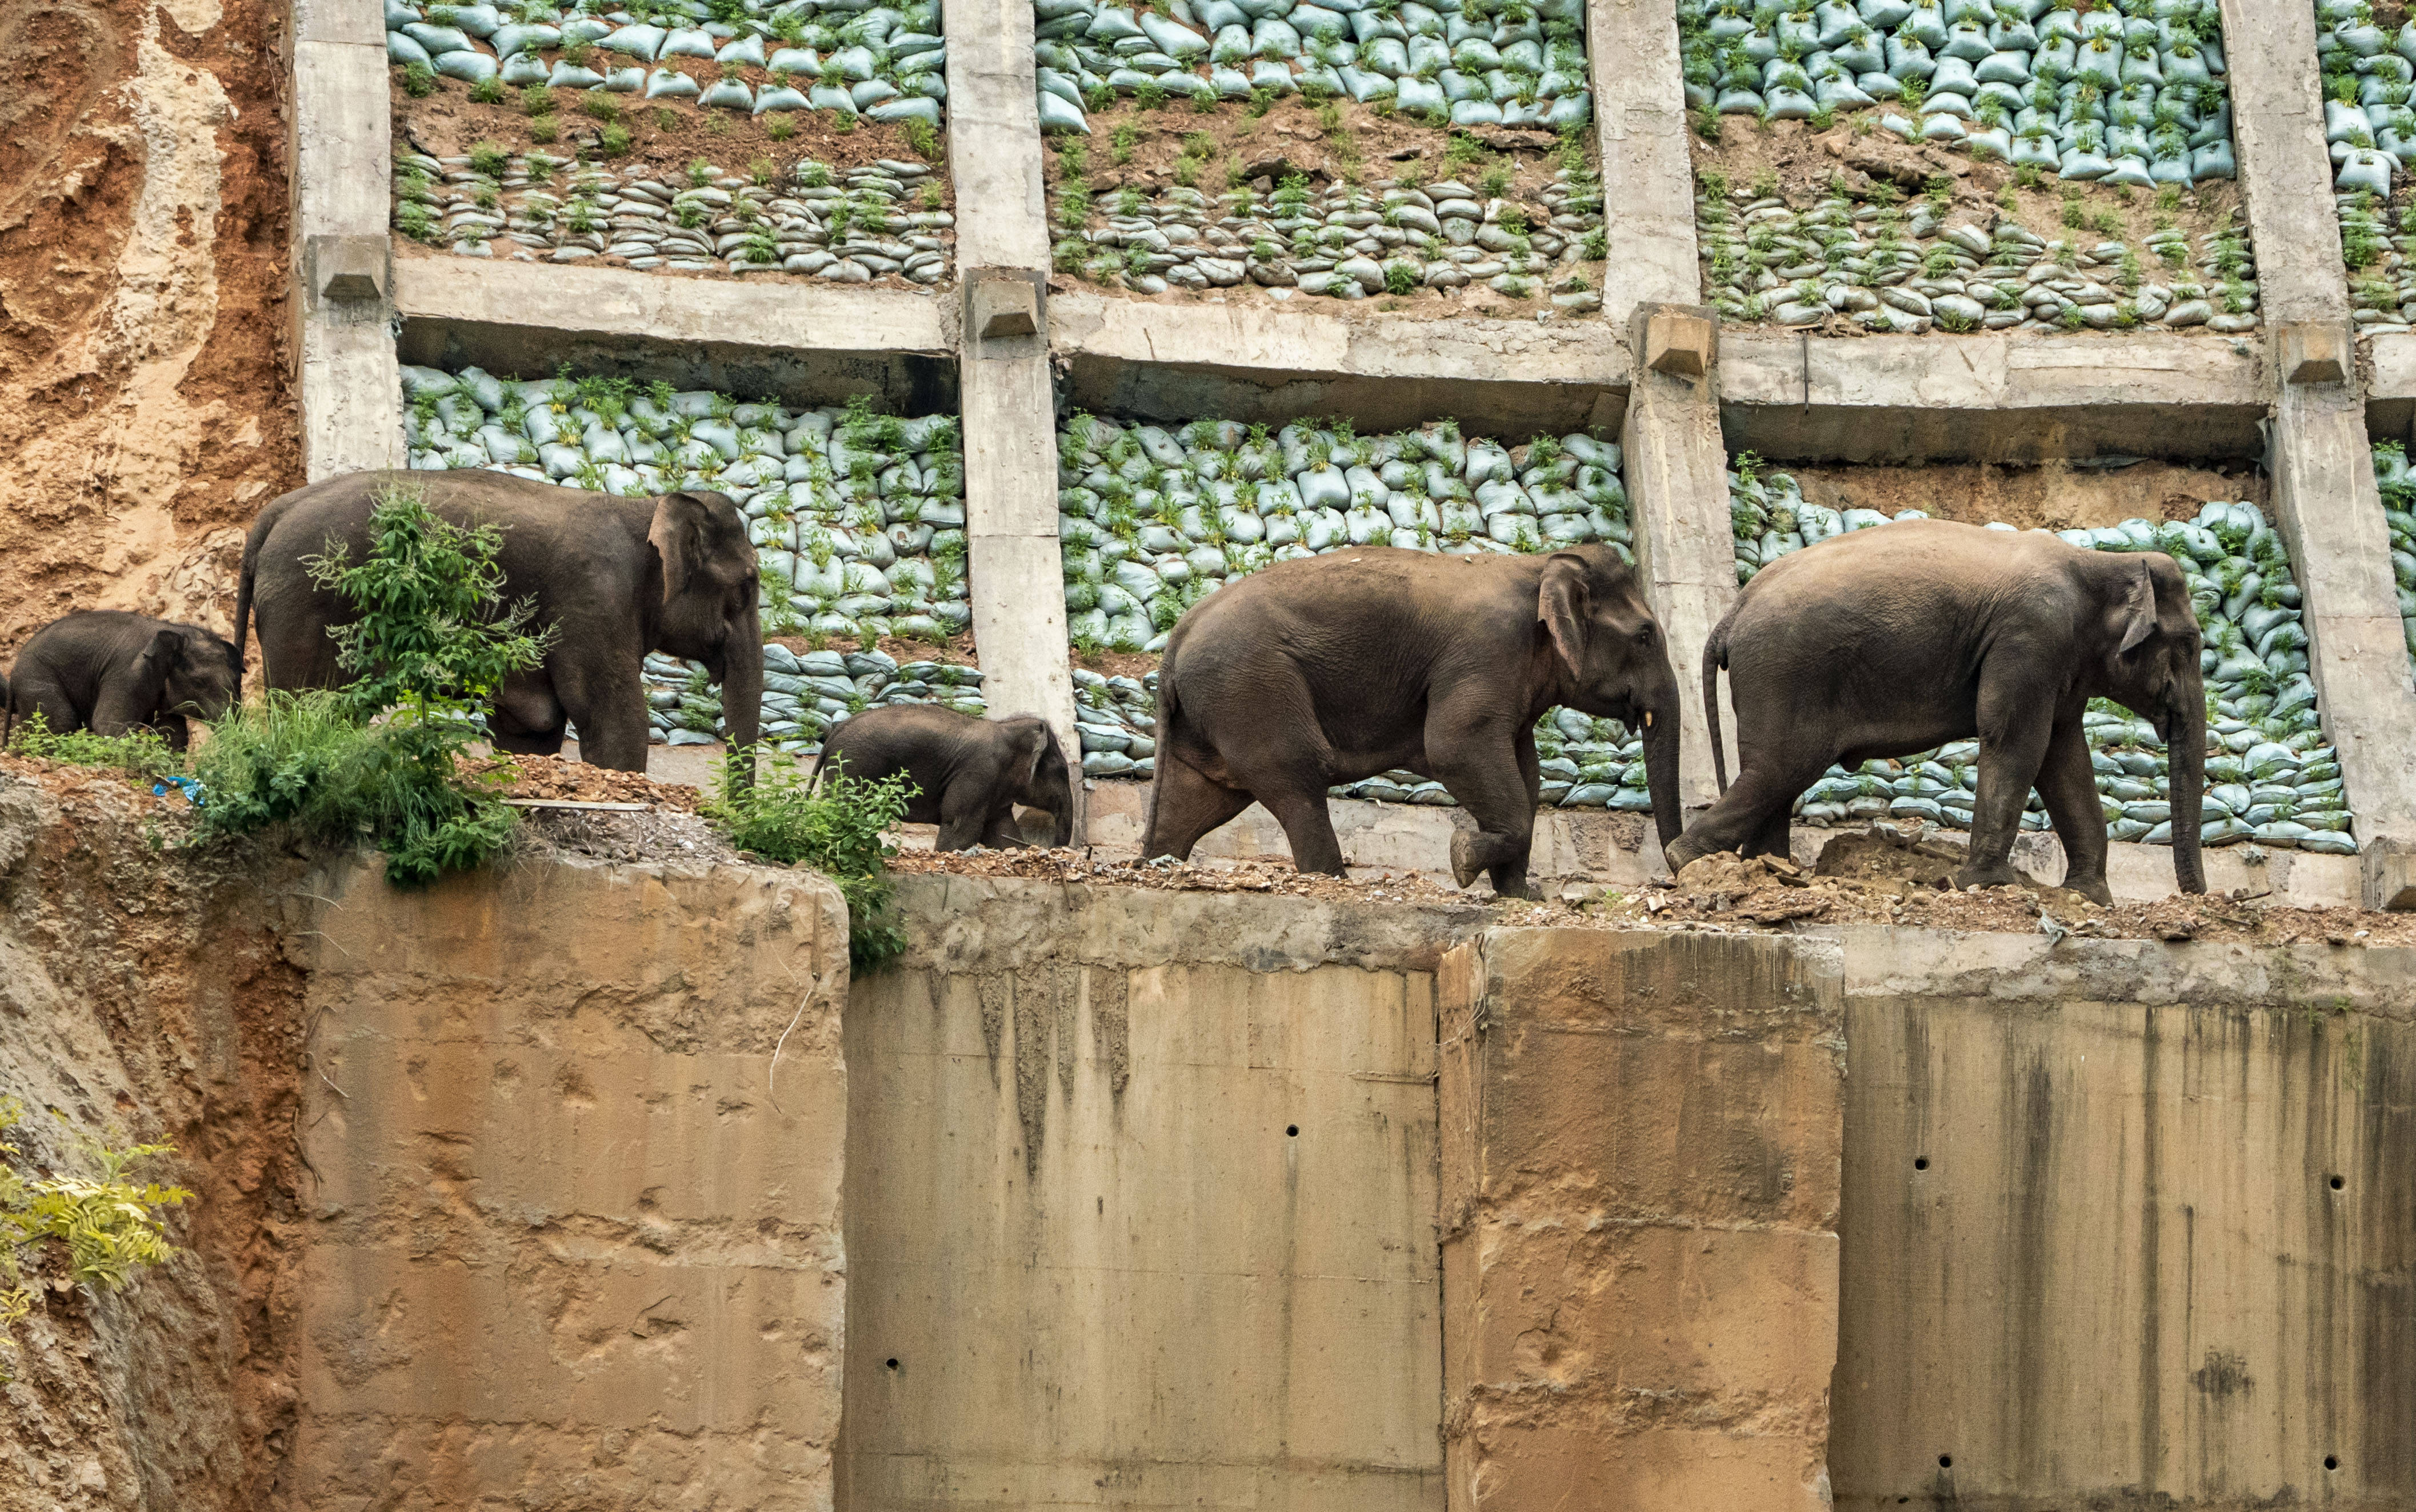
{"points": [[972, 772], [108, 671]]}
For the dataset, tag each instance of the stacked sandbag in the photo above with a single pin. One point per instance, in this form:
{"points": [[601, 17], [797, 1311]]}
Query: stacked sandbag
{"points": [[1918, 267], [2397, 482], [2098, 95], [1441, 61], [2270, 776], [2369, 83], [886, 63], [880, 221], [1154, 517], [1346, 242], [857, 519]]}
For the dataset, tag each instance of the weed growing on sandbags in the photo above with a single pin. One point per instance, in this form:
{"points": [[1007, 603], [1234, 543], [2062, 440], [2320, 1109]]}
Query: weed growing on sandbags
{"points": [[109, 1225], [833, 826]]}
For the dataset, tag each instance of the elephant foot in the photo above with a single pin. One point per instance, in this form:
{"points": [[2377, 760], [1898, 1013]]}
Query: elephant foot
{"points": [[2093, 889], [1463, 857], [1996, 874], [1681, 850]]}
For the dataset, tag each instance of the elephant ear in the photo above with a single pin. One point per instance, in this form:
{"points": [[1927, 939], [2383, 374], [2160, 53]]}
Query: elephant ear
{"points": [[1032, 743], [2138, 610], [678, 537], [151, 670], [1561, 604]]}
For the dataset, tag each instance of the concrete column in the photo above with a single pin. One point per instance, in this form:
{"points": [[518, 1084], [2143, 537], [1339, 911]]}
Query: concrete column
{"points": [[1678, 497], [1009, 405], [350, 385], [2324, 491], [2331, 515], [1643, 1139], [1647, 173], [2277, 123]]}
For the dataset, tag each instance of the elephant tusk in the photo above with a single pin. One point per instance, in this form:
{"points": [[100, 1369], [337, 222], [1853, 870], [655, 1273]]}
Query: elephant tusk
{"points": [[1648, 719]]}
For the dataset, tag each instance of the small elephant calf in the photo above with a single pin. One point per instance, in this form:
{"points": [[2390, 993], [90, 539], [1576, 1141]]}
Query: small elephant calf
{"points": [[108, 671], [972, 772]]}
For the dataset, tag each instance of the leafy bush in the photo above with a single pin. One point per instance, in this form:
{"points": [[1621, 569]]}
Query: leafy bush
{"points": [[434, 641], [109, 1225], [832, 824], [137, 752]]}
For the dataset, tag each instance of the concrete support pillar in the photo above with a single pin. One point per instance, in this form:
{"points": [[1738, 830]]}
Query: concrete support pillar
{"points": [[1640, 113], [2331, 515], [1639, 1198], [1678, 497], [2324, 491], [1009, 420], [350, 384]]}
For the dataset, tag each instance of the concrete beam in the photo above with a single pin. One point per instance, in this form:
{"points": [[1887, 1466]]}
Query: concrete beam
{"points": [[1997, 398], [1648, 175], [2277, 119], [1678, 499], [1258, 364], [787, 316], [351, 392]]}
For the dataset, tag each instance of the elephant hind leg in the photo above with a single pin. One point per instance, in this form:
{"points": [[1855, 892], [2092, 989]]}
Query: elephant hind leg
{"points": [[1752, 817], [1184, 806]]}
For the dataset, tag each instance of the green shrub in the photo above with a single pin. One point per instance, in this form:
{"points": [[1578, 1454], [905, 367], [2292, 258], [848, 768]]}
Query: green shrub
{"points": [[418, 80], [109, 1225], [137, 752], [432, 641], [831, 823]]}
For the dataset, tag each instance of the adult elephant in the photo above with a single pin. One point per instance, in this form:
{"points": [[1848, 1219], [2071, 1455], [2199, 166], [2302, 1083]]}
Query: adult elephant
{"points": [[614, 578], [1900, 638], [1334, 668]]}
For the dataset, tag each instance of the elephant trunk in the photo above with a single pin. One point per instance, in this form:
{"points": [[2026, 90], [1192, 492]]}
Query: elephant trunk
{"points": [[742, 689], [2185, 743], [1661, 764]]}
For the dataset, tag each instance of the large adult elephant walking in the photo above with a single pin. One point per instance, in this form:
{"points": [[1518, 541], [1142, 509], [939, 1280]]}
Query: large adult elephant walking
{"points": [[615, 578], [1900, 638], [1334, 668]]}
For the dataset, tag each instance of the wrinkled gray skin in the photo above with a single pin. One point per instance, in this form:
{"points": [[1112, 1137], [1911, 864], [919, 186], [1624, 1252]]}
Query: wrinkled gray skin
{"points": [[971, 772], [614, 578], [1901, 638], [1334, 668], [109, 671]]}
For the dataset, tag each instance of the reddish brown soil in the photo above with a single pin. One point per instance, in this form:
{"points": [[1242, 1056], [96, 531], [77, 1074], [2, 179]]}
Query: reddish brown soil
{"points": [[150, 953], [2054, 495], [666, 135], [957, 651], [145, 397]]}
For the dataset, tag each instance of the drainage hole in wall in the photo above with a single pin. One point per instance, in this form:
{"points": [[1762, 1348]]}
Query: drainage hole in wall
{"points": [[1921, 1162], [1291, 1131], [2331, 1462], [1945, 1461], [2338, 1183], [892, 1362]]}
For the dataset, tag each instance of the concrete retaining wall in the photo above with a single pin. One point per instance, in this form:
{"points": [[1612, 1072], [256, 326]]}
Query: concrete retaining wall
{"points": [[568, 1243], [1141, 1196]]}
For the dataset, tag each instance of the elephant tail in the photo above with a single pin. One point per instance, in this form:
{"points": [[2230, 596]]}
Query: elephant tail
{"points": [[1715, 655]]}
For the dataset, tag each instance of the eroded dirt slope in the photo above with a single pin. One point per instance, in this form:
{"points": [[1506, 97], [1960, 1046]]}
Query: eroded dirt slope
{"points": [[145, 410], [142, 1001]]}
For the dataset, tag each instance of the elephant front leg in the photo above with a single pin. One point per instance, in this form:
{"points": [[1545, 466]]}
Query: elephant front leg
{"points": [[2068, 785], [1496, 797], [2013, 746], [610, 714]]}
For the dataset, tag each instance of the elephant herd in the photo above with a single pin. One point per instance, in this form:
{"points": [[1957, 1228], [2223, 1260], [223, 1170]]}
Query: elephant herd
{"points": [[1311, 672]]}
